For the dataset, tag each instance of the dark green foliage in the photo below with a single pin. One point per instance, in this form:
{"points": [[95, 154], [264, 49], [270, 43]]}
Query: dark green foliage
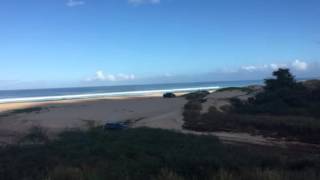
{"points": [[264, 174], [36, 135], [247, 174], [282, 96], [285, 109], [244, 89], [196, 96], [193, 106], [290, 127], [192, 110], [191, 113], [21, 111], [141, 154], [284, 79], [27, 110], [66, 173]]}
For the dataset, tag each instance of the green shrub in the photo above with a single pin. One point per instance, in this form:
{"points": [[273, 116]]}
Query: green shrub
{"points": [[22, 111], [244, 89], [284, 79], [139, 154], [196, 96], [300, 128], [282, 96], [36, 135], [166, 174], [66, 173], [28, 110], [191, 113]]}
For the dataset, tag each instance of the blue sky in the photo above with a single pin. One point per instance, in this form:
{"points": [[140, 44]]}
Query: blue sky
{"points": [[53, 43]]}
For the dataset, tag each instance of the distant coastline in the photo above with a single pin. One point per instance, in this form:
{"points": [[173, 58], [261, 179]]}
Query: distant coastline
{"points": [[102, 95], [43, 95]]}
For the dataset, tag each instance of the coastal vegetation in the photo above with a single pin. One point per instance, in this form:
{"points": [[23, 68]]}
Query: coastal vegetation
{"points": [[28, 110], [285, 109], [150, 154], [282, 95], [24, 110], [196, 96], [244, 89]]}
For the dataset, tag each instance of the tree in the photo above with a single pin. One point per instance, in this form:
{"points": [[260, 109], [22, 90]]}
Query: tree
{"points": [[283, 95], [284, 79]]}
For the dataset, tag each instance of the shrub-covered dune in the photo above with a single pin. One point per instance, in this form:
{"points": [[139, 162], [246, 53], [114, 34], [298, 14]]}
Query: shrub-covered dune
{"points": [[148, 154], [284, 109]]}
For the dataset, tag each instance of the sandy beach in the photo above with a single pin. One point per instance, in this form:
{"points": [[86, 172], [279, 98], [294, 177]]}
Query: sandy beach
{"points": [[143, 111], [55, 116]]}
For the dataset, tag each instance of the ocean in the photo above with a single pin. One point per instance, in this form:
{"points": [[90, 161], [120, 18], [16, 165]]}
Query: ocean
{"points": [[31, 95]]}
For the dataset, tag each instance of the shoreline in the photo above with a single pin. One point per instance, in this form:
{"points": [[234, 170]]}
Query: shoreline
{"points": [[126, 94], [10, 106]]}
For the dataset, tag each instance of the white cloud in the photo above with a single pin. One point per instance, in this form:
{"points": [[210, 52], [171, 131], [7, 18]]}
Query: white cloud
{"points": [[101, 76], [125, 76], [250, 68], [295, 65], [265, 67], [74, 3], [277, 66], [168, 75], [138, 2], [299, 65], [274, 66]]}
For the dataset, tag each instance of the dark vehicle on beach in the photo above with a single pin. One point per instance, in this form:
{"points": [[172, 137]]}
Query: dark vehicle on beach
{"points": [[169, 95]]}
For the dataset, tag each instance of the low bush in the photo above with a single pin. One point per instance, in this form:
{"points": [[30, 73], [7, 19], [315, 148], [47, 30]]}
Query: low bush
{"points": [[304, 129], [36, 135], [28, 110], [191, 113], [136, 154], [285, 109], [66, 173], [196, 96], [244, 89], [283, 95], [22, 111]]}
